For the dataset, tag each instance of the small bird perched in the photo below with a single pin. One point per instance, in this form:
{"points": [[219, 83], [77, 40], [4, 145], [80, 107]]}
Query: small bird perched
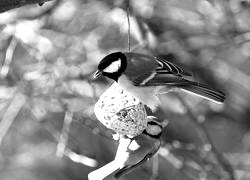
{"points": [[146, 76], [132, 152]]}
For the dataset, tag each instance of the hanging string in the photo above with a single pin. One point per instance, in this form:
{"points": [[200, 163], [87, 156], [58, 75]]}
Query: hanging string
{"points": [[128, 13]]}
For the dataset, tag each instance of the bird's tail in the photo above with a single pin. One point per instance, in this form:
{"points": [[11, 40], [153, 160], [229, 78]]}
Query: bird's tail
{"points": [[204, 91]]}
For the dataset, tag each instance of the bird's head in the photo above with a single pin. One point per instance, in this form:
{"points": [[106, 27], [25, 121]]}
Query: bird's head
{"points": [[154, 128], [112, 66]]}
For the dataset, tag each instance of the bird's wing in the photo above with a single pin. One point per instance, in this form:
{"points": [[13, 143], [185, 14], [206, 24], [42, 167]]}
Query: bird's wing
{"points": [[166, 67], [127, 169], [153, 71], [156, 79]]}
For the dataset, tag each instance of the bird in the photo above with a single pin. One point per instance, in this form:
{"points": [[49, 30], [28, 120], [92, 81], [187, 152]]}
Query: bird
{"points": [[146, 77], [132, 152]]}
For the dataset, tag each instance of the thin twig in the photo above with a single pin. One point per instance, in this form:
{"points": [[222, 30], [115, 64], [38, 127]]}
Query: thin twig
{"points": [[208, 141], [8, 57], [11, 4], [64, 134], [47, 11], [10, 114], [128, 14], [86, 125], [78, 158], [155, 167], [175, 162]]}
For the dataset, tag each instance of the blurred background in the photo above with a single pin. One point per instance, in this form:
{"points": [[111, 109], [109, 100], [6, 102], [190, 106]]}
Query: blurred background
{"points": [[48, 54]]}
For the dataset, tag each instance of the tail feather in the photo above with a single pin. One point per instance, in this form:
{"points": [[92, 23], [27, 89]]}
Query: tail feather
{"points": [[204, 91]]}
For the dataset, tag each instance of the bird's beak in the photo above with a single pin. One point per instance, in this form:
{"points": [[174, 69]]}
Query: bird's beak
{"points": [[97, 74]]}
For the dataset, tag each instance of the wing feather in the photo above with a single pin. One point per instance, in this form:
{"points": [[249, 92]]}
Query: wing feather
{"points": [[165, 73], [168, 67], [155, 71], [155, 79]]}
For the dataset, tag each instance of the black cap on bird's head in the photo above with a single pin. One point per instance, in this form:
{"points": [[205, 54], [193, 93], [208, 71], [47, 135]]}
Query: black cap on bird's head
{"points": [[154, 128], [112, 66]]}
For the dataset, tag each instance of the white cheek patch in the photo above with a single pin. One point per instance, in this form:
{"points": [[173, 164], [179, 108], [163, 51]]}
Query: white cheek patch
{"points": [[133, 146], [113, 67], [153, 130]]}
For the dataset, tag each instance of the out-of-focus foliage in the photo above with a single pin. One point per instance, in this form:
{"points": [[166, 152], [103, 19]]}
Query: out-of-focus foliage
{"points": [[48, 54]]}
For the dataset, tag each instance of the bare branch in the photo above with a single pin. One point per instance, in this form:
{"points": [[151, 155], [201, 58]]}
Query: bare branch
{"points": [[10, 114], [6, 5], [8, 57], [128, 14], [208, 141], [155, 168], [64, 134], [78, 158]]}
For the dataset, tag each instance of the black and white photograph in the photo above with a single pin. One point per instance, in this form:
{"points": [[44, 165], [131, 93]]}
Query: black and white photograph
{"points": [[124, 89]]}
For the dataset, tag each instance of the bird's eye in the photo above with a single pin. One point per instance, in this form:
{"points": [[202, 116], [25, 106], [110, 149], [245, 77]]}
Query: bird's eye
{"points": [[113, 67]]}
